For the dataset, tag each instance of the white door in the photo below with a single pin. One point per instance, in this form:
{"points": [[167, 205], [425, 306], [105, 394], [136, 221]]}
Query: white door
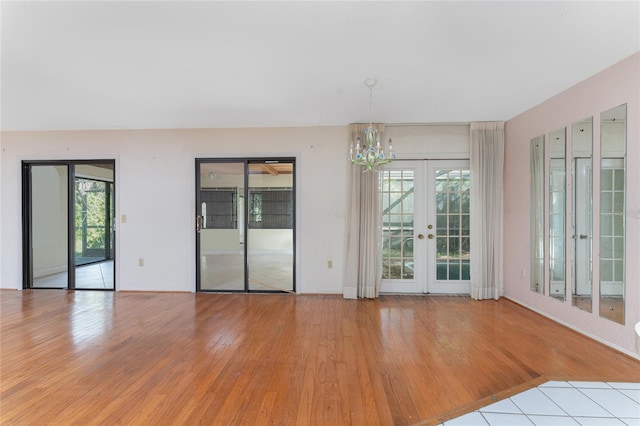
{"points": [[425, 227]]}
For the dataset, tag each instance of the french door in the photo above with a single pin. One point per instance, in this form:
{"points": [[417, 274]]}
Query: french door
{"points": [[426, 240], [245, 225], [68, 216]]}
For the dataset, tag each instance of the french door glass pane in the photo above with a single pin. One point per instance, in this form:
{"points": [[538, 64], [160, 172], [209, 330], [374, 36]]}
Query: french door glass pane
{"points": [[452, 225], [49, 226], [270, 226], [221, 231], [397, 224]]}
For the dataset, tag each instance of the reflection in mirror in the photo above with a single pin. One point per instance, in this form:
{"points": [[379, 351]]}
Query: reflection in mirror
{"points": [[581, 152], [613, 150], [537, 214], [49, 226], [557, 212]]}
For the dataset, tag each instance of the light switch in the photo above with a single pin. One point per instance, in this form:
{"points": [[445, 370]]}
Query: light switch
{"points": [[123, 218]]}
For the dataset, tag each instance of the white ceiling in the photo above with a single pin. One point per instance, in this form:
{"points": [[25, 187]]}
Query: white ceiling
{"points": [[111, 65]]}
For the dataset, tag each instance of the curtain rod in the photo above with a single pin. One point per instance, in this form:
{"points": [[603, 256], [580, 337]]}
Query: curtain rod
{"points": [[426, 124]]}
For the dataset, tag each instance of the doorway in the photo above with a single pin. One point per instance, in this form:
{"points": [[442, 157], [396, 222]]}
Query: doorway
{"points": [[245, 225], [68, 217], [426, 238]]}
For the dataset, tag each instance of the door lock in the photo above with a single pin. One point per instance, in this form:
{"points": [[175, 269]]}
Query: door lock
{"points": [[420, 237], [430, 236]]}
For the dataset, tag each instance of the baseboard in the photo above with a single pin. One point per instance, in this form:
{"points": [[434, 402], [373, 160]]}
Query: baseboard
{"points": [[350, 292], [576, 329], [156, 291]]}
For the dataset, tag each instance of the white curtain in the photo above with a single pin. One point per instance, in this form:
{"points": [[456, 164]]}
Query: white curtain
{"points": [[364, 247], [487, 166]]}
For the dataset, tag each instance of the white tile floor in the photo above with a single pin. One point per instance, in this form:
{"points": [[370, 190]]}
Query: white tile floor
{"points": [[562, 403]]}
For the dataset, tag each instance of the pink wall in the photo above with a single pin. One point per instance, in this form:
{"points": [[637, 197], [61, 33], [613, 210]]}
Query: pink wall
{"points": [[614, 86]]}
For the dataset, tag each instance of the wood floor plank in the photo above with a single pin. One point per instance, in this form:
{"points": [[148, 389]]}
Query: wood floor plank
{"points": [[172, 358]]}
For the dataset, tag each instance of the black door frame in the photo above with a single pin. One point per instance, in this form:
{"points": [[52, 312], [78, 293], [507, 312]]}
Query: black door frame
{"points": [[245, 161], [27, 225]]}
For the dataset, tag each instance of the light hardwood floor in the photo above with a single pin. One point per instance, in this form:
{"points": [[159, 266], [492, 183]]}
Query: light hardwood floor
{"points": [[176, 358]]}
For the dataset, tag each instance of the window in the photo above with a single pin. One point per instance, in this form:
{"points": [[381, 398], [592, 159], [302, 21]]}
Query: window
{"points": [[219, 208], [270, 208]]}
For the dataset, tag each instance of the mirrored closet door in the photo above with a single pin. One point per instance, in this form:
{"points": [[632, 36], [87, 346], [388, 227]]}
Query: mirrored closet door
{"points": [[582, 213], [557, 214], [537, 214], [613, 153], [575, 192]]}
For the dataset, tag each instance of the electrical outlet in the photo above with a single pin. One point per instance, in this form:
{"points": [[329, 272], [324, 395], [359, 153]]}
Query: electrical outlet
{"points": [[522, 273], [123, 218]]}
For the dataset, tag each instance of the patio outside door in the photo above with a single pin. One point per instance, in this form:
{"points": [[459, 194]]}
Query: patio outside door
{"points": [[425, 229]]}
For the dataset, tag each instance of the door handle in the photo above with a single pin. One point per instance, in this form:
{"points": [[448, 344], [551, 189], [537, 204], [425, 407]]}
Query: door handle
{"points": [[430, 236], [198, 223], [420, 237], [583, 236]]}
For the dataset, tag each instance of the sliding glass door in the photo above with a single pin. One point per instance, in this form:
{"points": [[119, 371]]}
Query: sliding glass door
{"points": [[245, 210], [49, 225], [68, 235], [220, 238], [270, 226]]}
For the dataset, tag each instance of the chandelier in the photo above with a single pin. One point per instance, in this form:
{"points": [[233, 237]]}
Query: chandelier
{"points": [[370, 154]]}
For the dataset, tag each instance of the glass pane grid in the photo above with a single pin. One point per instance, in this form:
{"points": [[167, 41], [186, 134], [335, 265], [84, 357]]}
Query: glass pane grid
{"points": [[397, 222], [611, 233], [453, 241]]}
